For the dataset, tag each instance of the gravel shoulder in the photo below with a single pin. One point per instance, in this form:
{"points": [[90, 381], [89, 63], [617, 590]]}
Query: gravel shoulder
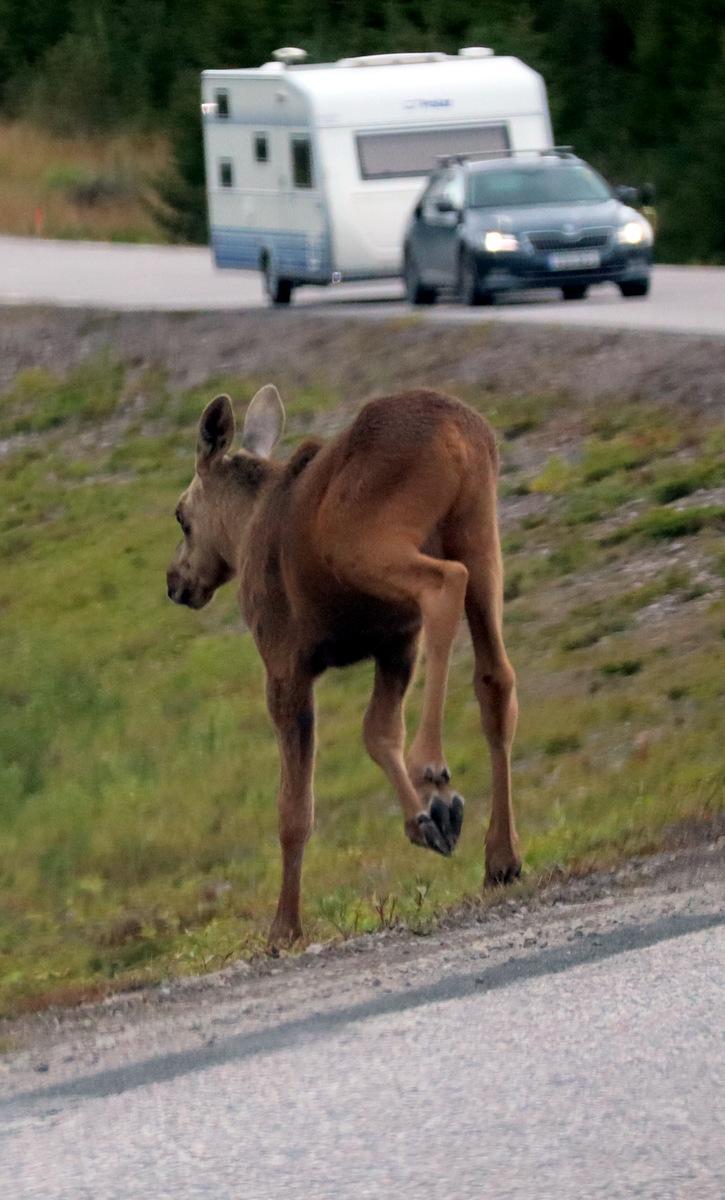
{"points": [[375, 355], [248, 1008]]}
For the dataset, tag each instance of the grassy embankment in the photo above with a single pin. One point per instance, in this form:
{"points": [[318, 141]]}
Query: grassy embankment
{"points": [[138, 767], [96, 189]]}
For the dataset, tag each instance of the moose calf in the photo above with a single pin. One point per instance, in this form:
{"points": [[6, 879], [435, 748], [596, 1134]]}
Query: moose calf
{"points": [[349, 550]]}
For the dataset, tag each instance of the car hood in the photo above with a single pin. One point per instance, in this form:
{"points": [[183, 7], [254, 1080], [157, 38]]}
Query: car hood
{"points": [[549, 216]]}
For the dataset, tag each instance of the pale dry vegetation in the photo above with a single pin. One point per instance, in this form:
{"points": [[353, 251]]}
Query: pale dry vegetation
{"points": [[91, 188]]}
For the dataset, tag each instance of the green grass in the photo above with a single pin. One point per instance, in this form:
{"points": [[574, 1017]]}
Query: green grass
{"points": [[667, 523], [138, 766]]}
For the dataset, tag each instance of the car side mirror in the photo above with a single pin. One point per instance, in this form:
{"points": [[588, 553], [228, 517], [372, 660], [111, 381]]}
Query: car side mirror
{"points": [[647, 194], [627, 195]]}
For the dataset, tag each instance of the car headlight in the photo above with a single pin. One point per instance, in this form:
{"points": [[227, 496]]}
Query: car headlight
{"points": [[635, 233], [495, 241]]}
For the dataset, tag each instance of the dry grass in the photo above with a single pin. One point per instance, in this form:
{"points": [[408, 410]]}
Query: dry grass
{"points": [[63, 187]]}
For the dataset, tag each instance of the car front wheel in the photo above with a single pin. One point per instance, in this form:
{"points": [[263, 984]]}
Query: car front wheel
{"points": [[634, 287], [415, 291], [468, 287]]}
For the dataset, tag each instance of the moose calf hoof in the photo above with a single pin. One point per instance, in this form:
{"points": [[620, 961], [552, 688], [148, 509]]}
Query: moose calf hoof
{"points": [[440, 829], [498, 875], [285, 932]]}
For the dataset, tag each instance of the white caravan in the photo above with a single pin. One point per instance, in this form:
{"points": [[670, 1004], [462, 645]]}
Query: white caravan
{"points": [[312, 170]]}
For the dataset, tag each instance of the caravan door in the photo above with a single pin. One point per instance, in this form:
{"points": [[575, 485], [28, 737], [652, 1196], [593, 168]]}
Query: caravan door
{"points": [[301, 245]]}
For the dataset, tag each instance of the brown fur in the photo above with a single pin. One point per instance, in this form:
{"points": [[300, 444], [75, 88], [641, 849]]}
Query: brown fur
{"points": [[347, 551]]}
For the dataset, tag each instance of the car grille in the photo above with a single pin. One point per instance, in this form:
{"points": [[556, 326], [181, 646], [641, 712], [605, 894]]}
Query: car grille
{"points": [[555, 239]]}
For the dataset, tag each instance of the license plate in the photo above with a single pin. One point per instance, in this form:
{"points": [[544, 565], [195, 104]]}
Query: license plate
{"points": [[574, 259]]}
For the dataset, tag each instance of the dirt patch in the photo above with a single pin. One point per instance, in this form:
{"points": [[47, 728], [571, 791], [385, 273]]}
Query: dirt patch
{"points": [[372, 356]]}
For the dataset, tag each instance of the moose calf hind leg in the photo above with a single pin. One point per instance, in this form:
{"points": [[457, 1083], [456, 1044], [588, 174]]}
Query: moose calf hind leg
{"points": [[496, 692], [442, 605], [497, 697], [495, 687]]}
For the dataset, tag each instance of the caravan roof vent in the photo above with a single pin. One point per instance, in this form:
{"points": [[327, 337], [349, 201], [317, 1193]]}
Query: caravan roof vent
{"points": [[289, 55], [392, 60], [475, 52]]}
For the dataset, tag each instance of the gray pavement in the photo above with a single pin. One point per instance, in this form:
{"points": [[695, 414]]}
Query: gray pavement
{"points": [[39, 271], [594, 1069]]}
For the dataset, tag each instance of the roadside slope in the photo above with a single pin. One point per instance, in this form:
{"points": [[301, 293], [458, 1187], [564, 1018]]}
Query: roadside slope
{"points": [[136, 844]]}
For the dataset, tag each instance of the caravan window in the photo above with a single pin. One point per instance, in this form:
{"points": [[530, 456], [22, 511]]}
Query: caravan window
{"points": [[261, 148], [416, 151], [226, 173], [301, 162], [222, 103]]}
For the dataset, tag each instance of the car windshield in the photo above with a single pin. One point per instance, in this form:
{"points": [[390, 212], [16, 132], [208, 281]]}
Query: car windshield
{"points": [[504, 188]]}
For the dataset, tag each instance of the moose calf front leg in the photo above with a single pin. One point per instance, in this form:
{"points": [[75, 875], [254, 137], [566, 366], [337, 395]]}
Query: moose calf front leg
{"points": [[291, 706]]}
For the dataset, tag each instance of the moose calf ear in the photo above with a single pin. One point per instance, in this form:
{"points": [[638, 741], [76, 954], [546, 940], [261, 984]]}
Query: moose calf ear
{"points": [[264, 422], [216, 429]]}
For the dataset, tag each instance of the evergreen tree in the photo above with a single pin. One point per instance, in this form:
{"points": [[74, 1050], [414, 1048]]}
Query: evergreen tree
{"points": [[637, 86]]}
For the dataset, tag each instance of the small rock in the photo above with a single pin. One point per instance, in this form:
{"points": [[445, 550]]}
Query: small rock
{"points": [[315, 948]]}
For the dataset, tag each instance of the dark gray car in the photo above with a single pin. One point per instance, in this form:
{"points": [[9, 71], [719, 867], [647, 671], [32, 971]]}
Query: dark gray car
{"points": [[524, 221]]}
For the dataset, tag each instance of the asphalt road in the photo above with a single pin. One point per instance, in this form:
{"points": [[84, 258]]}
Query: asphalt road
{"points": [[590, 1067], [36, 271]]}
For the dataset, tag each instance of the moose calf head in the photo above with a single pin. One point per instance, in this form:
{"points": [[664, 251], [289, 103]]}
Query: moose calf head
{"points": [[215, 509]]}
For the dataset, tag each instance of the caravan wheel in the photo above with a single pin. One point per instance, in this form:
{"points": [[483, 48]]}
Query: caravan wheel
{"points": [[279, 290], [415, 292]]}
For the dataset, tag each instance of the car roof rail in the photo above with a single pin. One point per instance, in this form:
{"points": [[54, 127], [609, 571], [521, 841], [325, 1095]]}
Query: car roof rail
{"points": [[460, 158]]}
